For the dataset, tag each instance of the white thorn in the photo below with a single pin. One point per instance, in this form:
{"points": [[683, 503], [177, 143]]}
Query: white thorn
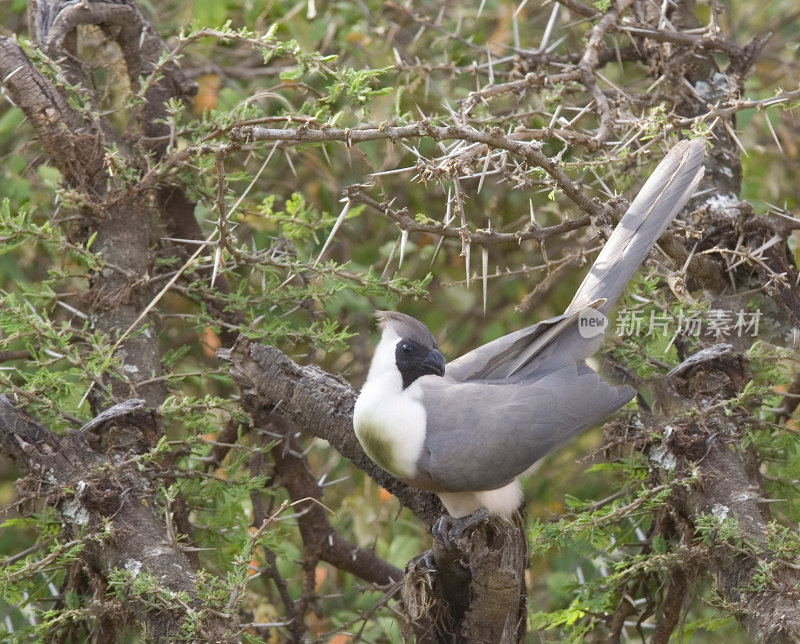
{"points": [[338, 223], [485, 168], [403, 240], [485, 267], [771, 129], [467, 249], [217, 258]]}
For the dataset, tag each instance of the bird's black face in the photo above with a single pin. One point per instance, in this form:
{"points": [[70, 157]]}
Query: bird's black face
{"points": [[414, 360]]}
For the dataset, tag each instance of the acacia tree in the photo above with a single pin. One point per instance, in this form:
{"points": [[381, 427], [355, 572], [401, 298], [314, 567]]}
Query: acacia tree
{"points": [[198, 223]]}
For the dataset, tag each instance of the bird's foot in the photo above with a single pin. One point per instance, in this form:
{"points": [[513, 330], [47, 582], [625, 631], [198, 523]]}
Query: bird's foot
{"points": [[449, 530], [427, 560], [450, 550]]}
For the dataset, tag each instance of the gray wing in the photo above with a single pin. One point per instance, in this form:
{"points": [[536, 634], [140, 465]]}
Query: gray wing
{"points": [[664, 193], [511, 354], [497, 358], [482, 434]]}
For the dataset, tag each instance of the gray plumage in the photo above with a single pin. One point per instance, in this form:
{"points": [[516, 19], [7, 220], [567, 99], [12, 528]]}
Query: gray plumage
{"points": [[406, 327], [500, 408]]}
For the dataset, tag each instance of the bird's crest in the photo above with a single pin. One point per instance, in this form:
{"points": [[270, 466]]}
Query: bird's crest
{"points": [[406, 327]]}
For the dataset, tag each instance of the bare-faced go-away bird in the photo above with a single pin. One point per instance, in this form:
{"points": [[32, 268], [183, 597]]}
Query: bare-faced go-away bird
{"points": [[468, 431]]}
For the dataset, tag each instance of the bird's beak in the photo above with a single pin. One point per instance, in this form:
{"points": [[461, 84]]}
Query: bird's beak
{"points": [[434, 363]]}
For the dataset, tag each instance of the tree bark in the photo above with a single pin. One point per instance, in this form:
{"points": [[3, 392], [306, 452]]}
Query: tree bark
{"points": [[696, 425], [708, 439], [85, 481]]}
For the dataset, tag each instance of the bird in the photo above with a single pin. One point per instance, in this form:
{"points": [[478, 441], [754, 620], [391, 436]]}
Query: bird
{"points": [[469, 430]]}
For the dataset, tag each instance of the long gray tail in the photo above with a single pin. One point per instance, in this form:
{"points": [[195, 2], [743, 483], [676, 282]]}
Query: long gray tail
{"points": [[663, 195], [544, 346]]}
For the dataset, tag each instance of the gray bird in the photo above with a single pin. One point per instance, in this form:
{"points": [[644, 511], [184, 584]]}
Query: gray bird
{"points": [[469, 432]]}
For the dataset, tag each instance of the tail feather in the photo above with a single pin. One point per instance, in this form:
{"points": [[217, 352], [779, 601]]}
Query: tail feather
{"points": [[549, 344], [663, 195]]}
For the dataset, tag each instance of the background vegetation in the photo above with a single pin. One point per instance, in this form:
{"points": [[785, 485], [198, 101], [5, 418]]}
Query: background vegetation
{"points": [[299, 225]]}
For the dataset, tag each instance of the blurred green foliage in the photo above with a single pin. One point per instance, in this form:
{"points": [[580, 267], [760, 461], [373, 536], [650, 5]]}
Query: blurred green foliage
{"points": [[359, 64]]}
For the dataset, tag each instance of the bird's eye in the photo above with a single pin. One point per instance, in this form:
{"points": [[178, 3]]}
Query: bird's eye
{"points": [[405, 348]]}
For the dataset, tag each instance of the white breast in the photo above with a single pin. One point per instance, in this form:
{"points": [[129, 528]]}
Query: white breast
{"points": [[389, 421]]}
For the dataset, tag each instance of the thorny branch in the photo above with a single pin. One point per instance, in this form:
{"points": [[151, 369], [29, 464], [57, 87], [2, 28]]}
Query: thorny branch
{"points": [[91, 491], [513, 145], [530, 153], [478, 237]]}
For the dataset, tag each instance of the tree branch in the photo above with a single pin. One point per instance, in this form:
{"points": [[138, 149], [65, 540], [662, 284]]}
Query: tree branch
{"points": [[530, 153], [90, 490], [315, 527], [728, 487], [319, 403]]}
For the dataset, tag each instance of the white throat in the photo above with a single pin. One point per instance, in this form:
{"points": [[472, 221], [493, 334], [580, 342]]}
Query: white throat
{"points": [[384, 367]]}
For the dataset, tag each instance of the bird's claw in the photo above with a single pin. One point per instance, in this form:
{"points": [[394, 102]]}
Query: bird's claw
{"points": [[449, 530], [427, 560]]}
